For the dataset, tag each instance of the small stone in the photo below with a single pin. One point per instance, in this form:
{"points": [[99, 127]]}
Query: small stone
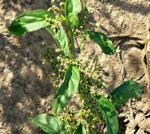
{"points": [[20, 105], [145, 124], [43, 101], [146, 108], [139, 117], [140, 131], [1, 124]]}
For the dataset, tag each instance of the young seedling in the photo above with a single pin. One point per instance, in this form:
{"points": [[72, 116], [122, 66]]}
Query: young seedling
{"points": [[66, 22]]}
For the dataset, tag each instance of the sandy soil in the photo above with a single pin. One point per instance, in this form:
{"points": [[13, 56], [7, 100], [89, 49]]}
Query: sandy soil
{"points": [[25, 89]]}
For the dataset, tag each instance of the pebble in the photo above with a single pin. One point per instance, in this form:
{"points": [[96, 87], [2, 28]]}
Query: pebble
{"points": [[139, 117], [145, 124], [140, 131], [43, 101]]}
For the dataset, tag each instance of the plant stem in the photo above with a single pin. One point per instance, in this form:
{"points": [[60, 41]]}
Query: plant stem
{"points": [[70, 35], [71, 42], [84, 3]]}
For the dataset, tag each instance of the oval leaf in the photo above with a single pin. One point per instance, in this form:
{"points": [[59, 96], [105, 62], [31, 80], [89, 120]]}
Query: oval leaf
{"points": [[29, 22], [50, 124], [67, 89], [73, 19], [73, 8], [80, 130], [102, 40], [129, 89], [109, 114], [61, 39]]}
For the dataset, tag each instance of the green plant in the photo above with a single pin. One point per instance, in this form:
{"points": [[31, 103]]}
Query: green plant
{"points": [[65, 22]]}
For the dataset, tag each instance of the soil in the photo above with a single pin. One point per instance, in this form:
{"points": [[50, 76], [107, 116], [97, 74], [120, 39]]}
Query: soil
{"points": [[25, 89]]}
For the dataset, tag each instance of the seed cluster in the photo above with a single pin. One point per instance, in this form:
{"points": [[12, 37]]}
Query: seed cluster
{"points": [[91, 84]]}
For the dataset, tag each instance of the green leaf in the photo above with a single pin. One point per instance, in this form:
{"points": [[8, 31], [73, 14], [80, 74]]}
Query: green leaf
{"points": [[73, 8], [67, 89], [129, 89], [29, 22], [80, 130], [50, 124], [61, 39], [102, 40], [73, 19], [109, 114]]}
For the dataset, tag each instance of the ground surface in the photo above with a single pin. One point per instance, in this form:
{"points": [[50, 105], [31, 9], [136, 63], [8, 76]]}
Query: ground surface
{"points": [[24, 86]]}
